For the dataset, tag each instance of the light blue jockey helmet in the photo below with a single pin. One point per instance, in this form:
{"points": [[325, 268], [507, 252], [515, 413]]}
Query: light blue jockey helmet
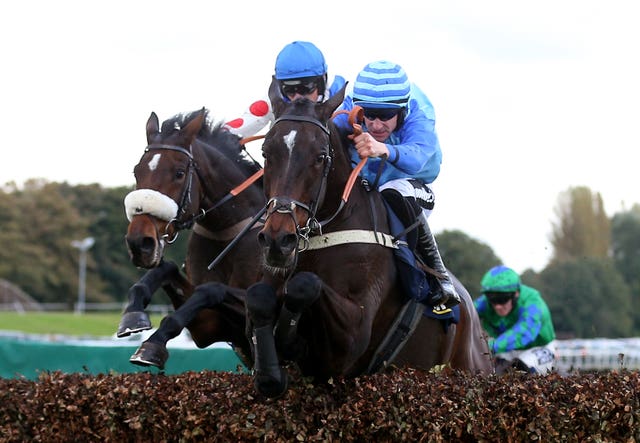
{"points": [[382, 84], [298, 60]]}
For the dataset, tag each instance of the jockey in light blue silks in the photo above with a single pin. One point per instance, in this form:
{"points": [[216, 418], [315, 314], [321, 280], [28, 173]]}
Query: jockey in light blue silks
{"points": [[403, 153]]}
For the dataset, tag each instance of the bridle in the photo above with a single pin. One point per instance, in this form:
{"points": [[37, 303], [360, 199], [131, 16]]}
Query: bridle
{"points": [[185, 198], [286, 205]]}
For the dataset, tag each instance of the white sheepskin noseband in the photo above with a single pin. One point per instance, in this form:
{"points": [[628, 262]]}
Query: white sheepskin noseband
{"points": [[148, 201]]}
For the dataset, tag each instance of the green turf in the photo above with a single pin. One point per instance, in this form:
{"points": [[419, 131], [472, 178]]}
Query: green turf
{"points": [[66, 323]]}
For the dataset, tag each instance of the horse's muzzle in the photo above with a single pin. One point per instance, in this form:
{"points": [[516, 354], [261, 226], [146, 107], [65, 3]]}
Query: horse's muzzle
{"points": [[144, 243], [279, 251]]}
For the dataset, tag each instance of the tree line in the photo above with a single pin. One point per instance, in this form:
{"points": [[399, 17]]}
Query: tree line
{"points": [[591, 282], [38, 223]]}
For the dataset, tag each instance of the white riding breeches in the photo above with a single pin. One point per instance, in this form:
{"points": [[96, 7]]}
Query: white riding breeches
{"points": [[412, 188], [539, 359]]}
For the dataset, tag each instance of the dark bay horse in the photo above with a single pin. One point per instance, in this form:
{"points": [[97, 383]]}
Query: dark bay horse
{"points": [[329, 308], [193, 174]]}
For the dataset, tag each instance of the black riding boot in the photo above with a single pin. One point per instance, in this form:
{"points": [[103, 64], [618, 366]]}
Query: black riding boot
{"points": [[446, 294]]}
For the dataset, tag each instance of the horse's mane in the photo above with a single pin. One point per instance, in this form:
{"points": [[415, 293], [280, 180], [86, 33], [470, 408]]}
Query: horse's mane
{"points": [[214, 134]]}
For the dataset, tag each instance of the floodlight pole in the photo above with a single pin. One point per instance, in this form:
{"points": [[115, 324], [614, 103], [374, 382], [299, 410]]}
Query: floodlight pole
{"points": [[82, 245]]}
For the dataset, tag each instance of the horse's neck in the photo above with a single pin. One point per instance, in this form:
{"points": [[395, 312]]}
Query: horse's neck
{"points": [[363, 209], [224, 175]]}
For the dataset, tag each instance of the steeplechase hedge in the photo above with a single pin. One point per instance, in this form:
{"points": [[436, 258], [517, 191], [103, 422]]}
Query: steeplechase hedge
{"points": [[401, 405]]}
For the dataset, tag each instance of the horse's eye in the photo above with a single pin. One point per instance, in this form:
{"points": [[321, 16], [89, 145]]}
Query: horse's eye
{"points": [[321, 158], [180, 174]]}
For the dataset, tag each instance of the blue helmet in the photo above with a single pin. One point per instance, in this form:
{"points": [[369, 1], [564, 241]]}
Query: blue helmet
{"points": [[298, 60], [382, 84]]}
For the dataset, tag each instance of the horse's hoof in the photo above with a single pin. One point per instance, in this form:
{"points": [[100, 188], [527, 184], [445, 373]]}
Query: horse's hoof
{"points": [[271, 387], [133, 322], [150, 354]]}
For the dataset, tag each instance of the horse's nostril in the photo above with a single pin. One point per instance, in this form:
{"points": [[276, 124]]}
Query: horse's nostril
{"points": [[282, 245], [289, 241], [262, 239], [143, 245], [148, 244]]}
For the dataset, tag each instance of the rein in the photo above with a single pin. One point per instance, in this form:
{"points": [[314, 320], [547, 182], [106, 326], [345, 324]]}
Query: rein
{"points": [[356, 116], [235, 191], [246, 140]]}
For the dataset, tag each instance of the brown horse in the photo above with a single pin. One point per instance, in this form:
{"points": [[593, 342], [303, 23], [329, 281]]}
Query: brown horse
{"points": [[193, 173], [331, 290]]}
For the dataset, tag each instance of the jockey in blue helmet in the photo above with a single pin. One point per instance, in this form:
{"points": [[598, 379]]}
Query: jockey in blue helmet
{"points": [[404, 154], [300, 68], [301, 71]]}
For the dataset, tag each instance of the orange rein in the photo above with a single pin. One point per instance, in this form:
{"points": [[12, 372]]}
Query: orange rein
{"points": [[248, 182], [246, 140], [356, 116], [245, 184]]}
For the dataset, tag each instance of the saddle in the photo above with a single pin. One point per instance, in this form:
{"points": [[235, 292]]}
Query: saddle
{"points": [[414, 282]]}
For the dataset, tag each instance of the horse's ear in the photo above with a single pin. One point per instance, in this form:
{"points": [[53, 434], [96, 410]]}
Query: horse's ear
{"points": [[191, 130], [327, 108], [275, 97], [153, 127]]}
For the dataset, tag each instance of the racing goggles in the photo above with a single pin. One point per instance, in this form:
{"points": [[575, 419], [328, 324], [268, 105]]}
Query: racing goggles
{"points": [[291, 88], [383, 115], [499, 298]]}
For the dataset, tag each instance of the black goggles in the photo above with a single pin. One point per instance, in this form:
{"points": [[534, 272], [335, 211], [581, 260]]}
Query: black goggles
{"points": [[499, 298], [381, 114], [302, 88]]}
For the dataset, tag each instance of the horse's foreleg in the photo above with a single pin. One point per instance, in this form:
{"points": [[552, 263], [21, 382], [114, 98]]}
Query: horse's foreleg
{"points": [[301, 292], [134, 318], [269, 379], [153, 351]]}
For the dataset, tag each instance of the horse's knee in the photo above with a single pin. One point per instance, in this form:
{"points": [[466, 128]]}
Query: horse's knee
{"points": [[261, 304], [303, 289]]}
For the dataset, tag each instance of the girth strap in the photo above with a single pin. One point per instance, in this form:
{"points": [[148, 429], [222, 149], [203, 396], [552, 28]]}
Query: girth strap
{"points": [[397, 336]]}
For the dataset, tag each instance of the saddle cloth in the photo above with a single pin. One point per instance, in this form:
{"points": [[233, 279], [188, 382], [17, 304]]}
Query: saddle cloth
{"points": [[414, 281]]}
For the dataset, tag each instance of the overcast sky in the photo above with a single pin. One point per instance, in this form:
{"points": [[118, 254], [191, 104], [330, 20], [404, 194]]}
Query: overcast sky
{"points": [[531, 98]]}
